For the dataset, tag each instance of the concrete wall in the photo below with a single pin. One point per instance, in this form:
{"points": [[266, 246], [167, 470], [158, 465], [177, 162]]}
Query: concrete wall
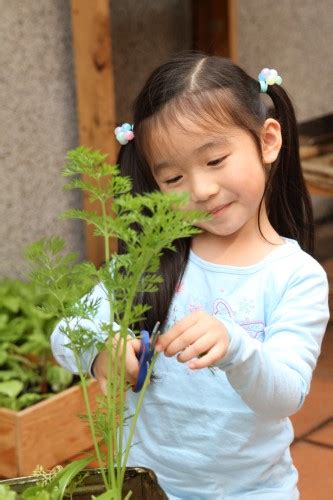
{"points": [[37, 126], [296, 38]]}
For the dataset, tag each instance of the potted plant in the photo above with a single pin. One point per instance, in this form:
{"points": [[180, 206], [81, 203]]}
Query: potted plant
{"points": [[33, 389], [148, 225]]}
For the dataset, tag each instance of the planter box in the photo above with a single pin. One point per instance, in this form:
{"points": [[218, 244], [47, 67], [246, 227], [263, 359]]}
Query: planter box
{"points": [[140, 481], [48, 433]]}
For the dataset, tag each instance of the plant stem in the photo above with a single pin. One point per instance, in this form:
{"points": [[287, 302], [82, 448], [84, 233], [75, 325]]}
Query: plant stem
{"points": [[90, 419], [136, 415], [111, 417], [105, 233], [138, 272]]}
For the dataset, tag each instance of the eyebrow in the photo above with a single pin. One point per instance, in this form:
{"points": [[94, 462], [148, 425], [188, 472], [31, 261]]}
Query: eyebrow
{"points": [[158, 167]]}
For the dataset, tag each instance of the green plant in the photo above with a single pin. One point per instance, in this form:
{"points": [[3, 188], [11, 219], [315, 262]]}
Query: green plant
{"points": [[27, 371], [161, 219]]}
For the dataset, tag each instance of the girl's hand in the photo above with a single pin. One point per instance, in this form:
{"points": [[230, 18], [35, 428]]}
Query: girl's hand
{"points": [[99, 367], [198, 335]]}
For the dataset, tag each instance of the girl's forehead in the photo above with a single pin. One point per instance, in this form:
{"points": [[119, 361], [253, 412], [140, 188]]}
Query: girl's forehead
{"points": [[183, 136]]}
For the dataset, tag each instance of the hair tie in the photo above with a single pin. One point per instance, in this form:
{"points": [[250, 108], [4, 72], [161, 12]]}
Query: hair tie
{"points": [[268, 77], [124, 133]]}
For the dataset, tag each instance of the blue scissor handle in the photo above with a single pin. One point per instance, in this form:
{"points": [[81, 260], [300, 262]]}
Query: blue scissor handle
{"points": [[144, 356]]}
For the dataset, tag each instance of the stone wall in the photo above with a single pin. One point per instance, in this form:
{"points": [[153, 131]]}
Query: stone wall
{"points": [[296, 38], [37, 127]]}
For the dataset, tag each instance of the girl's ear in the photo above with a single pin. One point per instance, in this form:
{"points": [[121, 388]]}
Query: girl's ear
{"points": [[271, 140]]}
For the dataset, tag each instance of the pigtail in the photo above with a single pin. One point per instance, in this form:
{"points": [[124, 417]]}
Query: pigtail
{"points": [[132, 165], [287, 198], [172, 263]]}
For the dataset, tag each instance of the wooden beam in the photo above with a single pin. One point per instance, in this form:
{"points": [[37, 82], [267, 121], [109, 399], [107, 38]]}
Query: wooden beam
{"points": [[95, 95], [214, 27]]}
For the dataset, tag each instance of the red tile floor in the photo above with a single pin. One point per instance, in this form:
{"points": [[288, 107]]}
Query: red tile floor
{"points": [[312, 449]]}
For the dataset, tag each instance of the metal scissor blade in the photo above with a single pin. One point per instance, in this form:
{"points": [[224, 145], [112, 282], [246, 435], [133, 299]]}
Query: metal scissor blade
{"points": [[154, 336]]}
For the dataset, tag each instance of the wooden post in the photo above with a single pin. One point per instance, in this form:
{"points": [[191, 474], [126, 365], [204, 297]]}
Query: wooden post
{"points": [[94, 92], [214, 27]]}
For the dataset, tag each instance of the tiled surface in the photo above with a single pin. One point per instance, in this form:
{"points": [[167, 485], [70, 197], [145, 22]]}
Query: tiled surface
{"points": [[312, 450], [314, 465], [318, 406], [323, 435]]}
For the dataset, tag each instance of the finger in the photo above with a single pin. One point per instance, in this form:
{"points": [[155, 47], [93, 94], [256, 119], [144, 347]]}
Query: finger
{"points": [[102, 385], [132, 363], [213, 356], [178, 329], [186, 339], [135, 344], [199, 348]]}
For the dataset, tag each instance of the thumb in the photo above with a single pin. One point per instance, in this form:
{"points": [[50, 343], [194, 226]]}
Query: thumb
{"points": [[102, 382], [132, 361]]}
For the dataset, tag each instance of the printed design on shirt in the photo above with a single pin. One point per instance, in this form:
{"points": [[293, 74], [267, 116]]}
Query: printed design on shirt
{"points": [[255, 328], [221, 307], [195, 307], [246, 306]]}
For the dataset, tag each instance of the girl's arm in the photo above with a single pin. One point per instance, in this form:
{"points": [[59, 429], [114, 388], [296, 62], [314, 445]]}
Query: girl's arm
{"points": [[273, 377], [65, 356]]}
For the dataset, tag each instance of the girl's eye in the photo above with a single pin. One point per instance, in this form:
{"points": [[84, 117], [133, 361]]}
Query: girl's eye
{"points": [[173, 180], [214, 163]]}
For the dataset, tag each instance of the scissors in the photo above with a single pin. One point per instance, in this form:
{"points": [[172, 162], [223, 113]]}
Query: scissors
{"points": [[145, 355]]}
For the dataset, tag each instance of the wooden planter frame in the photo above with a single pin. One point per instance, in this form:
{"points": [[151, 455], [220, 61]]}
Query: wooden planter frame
{"points": [[48, 433]]}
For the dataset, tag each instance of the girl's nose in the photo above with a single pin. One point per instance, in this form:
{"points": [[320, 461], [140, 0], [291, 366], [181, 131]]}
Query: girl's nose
{"points": [[202, 189]]}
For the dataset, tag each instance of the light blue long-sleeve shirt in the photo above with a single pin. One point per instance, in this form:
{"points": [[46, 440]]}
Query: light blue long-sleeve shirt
{"points": [[225, 433]]}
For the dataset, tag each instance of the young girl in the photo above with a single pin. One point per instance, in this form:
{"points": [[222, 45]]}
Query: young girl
{"points": [[243, 295]]}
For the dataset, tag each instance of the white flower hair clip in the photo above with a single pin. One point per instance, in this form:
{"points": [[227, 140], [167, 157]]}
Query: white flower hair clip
{"points": [[268, 77], [124, 133]]}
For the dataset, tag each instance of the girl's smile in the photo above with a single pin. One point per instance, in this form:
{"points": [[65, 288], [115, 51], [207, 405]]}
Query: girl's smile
{"points": [[223, 174], [217, 212]]}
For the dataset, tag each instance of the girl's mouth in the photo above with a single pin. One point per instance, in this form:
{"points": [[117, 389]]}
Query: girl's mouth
{"points": [[216, 212]]}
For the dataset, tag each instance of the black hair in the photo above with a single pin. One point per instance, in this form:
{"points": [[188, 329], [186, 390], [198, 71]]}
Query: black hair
{"points": [[210, 88]]}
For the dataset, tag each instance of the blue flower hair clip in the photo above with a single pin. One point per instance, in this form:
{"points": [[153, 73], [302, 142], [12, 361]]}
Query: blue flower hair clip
{"points": [[124, 133], [268, 77]]}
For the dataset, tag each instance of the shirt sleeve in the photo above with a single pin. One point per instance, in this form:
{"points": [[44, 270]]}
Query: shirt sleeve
{"points": [[65, 356], [273, 377]]}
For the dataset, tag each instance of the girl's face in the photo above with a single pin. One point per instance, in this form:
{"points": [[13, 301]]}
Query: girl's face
{"points": [[223, 174]]}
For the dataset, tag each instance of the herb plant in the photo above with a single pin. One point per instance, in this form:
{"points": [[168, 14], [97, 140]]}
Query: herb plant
{"points": [[161, 219], [28, 373]]}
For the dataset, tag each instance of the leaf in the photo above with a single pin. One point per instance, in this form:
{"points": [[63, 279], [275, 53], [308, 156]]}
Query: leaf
{"points": [[11, 388], [7, 375], [107, 495], [67, 474], [58, 377], [39, 493], [28, 400], [3, 320], [11, 303], [6, 493], [3, 358]]}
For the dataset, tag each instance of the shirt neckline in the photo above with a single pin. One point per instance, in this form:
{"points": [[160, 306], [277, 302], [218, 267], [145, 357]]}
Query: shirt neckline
{"points": [[289, 247]]}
